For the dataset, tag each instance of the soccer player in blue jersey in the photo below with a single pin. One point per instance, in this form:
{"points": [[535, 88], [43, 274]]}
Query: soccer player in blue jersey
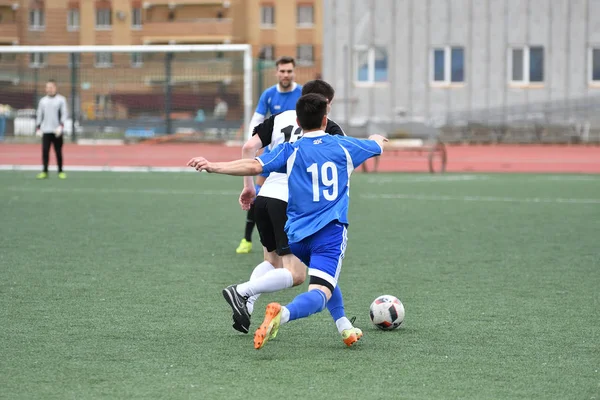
{"points": [[318, 167], [280, 97], [280, 269], [274, 100]]}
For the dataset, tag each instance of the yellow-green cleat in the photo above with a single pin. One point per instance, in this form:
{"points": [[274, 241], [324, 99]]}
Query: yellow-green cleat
{"points": [[42, 175], [62, 175], [268, 329], [351, 336], [245, 247]]}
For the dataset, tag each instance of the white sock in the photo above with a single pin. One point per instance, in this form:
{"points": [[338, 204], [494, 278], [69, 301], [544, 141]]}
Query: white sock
{"points": [[343, 324], [272, 281], [260, 270], [285, 315]]}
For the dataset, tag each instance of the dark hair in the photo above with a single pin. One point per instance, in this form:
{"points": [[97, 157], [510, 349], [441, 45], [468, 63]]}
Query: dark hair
{"points": [[310, 110], [319, 86], [285, 60], [51, 81]]}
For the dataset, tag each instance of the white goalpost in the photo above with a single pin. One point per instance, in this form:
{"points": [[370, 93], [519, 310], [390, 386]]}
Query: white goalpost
{"points": [[133, 90]]}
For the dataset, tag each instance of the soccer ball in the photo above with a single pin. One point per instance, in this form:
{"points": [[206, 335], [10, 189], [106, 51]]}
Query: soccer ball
{"points": [[387, 312]]}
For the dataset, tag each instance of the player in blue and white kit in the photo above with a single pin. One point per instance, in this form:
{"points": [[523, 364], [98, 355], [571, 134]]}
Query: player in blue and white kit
{"points": [[274, 100], [280, 269], [318, 167], [280, 97]]}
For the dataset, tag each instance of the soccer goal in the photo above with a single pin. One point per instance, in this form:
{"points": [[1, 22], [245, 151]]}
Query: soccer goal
{"points": [[120, 92]]}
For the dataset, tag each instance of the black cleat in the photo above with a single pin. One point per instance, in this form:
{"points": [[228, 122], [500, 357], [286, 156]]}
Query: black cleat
{"points": [[237, 302]]}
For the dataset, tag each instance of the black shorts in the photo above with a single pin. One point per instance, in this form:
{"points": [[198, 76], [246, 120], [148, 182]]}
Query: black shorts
{"points": [[271, 215]]}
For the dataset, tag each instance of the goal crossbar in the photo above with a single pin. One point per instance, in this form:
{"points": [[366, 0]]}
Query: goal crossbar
{"points": [[146, 48]]}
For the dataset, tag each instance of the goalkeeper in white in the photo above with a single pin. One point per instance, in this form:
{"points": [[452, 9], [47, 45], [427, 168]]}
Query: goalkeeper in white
{"points": [[50, 123]]}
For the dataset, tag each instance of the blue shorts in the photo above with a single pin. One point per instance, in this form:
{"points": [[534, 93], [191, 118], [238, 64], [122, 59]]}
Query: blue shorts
{"points": [[323, 252]]}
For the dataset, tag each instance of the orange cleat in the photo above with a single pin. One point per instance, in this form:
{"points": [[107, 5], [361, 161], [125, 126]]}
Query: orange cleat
{"points": [[269, 327], [351, 336]]}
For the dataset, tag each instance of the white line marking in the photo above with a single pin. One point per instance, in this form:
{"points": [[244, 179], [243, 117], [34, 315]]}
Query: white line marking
{"points": [[387, 196], [376, 180], [427, 178], [586, 178], [480, 198], [125, 191], [96, 168]]}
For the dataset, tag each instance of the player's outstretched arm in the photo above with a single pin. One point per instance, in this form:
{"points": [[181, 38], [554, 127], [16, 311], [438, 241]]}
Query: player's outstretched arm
{"points": [[379, 139], [236, 168]]}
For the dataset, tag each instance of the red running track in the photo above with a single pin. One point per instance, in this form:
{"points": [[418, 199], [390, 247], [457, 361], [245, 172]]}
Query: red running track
{"points": [[461, 158]]}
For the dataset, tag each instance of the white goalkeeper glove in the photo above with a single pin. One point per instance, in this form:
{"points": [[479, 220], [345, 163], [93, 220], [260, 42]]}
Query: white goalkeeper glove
{"points": [[58, 131], [38, 132]]}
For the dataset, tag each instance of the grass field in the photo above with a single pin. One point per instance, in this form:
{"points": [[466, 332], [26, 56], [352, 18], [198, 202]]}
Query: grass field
{"points": [[110, 287]]}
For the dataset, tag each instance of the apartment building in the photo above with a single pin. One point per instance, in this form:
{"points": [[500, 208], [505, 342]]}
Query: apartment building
{"points": [[273, 28]]}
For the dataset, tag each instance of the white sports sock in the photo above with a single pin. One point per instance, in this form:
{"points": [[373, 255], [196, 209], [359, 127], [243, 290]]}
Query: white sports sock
{"points": [[285, 315], [272, 281], [260, 270], [343, 324]]}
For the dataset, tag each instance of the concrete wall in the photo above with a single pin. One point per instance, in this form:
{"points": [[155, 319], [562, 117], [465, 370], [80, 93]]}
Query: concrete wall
{"points": [[486, 29]]}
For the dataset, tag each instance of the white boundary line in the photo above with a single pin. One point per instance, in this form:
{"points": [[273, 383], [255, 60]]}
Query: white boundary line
{"points": [[492, 199], [124, 191], [492, 176], [96, 168], [382, 180], [458, 177], [418, 197]]}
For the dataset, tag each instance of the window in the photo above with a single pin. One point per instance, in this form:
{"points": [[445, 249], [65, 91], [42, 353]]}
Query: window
{"points": [[103, 60], [267, 52], [594, 65], [305, 15], [447, 65], [136, 18], [267, 16], [137, 60], [305, 54], [36, 20], [103, 18], [8, 57], [37, 60], [73, 19], [371, 65], [526, 65]]}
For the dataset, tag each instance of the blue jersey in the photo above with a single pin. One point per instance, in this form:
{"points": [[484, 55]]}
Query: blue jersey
{"points": [[275, 102], [318, 167]]}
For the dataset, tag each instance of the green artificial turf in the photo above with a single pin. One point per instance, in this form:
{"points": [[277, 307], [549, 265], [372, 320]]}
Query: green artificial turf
{"points": [[110, 287]]}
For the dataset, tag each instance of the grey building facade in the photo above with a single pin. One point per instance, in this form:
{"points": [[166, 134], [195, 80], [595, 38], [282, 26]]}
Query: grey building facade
{"points": [[432, 58]]}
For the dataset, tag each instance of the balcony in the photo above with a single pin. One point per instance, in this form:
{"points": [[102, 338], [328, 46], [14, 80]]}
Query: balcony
{"points": [[9, 33], [209, 30]]}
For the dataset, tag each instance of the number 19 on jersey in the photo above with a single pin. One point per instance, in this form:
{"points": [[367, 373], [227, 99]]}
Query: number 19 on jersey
{"points": [[328, 178]]}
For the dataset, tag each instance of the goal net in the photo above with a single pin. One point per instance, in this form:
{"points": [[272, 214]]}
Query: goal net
{"points": [[121, 92]]}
